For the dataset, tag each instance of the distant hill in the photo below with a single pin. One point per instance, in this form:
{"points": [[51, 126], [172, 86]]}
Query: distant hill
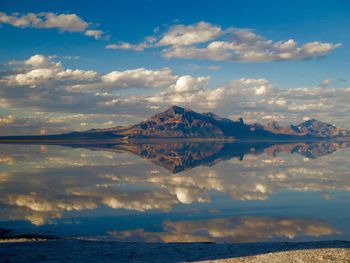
{"points": [[180, 123], [311, 127]]}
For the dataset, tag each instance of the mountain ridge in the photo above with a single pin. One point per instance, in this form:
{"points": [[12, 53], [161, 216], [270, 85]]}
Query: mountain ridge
{"points": [[183, 123], [178, 122]]}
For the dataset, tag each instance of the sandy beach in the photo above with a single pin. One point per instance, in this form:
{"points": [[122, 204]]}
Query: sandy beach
{"points": [[95, 251]]}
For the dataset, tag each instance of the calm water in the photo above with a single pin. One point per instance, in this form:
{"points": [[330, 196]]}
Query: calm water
{"points": [[180, 192]]}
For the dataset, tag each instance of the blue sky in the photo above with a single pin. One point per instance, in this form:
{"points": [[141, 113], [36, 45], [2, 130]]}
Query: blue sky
{"points": [[131, 21]]}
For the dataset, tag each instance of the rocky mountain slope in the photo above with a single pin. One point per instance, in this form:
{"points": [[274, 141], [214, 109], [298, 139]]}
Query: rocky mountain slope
{"points": [[311, 127], [180, 123]]}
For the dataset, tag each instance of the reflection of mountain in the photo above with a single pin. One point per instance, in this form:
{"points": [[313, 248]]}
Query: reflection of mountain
{"points": [[309, 150], [48, 185], [181, 156]]}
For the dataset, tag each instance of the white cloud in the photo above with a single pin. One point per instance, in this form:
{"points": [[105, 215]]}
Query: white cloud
{"points": [[44, 84], [126, 46], [43, 70], [181, 35], [140, 77], [183, 91], [190, 84], [257, 51], [40, 61], [48, 20], [255, 99], [325, 83], [40, 83], [97, 34], [147, 43], [177, 35], [232, 44]]}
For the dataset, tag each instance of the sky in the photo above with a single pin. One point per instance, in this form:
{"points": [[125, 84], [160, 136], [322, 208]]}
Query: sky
{"points": [[76, 65]]}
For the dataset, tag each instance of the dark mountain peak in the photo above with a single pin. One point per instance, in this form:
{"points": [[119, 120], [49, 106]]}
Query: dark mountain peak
{"points": [[212, 115], [177, 114], [314, 122], [175, 110], [276, 128], [216, 117], [321, 129], [178, 122], [273, 125]]}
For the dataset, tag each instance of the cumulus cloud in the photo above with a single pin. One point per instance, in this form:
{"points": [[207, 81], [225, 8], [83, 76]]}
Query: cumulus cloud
{"points": [[251, 49], [182, 35], [258, 100], [97, 34], [41, 83], [177, 35], [147, 43], [325, 83], [48, 20], [43, 70], [140, 77], [189, 84], [232, 44]]}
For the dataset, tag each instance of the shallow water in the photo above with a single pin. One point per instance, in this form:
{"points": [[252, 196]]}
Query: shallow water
{"points": [[179, 192]]}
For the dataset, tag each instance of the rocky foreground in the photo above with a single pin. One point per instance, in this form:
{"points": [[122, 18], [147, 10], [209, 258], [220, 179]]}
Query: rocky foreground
{"points": [[94, 251]]}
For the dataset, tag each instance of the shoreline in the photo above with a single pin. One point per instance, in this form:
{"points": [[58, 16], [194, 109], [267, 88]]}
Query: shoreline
{"points": [[165, 140]]}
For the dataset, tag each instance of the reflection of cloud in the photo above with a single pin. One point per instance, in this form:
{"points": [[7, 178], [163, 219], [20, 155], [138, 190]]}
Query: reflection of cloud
{"points": [[49, 195], [8, 160], [242, 229], [61, 179]]}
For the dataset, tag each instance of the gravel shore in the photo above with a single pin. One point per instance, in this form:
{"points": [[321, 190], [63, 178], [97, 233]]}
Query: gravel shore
{"points": [[94, 251]]}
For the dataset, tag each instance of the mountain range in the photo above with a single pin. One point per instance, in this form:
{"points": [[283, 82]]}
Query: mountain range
{"points": [[181, 123]]}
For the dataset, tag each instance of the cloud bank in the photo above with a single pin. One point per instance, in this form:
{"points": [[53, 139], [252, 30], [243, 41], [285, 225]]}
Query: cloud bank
{"points": [[48, 20], [41, 84], [209, 42]]}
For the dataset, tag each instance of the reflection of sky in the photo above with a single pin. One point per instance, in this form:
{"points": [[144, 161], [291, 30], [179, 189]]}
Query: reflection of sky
{"points": [[229, 229], [50, 184]]}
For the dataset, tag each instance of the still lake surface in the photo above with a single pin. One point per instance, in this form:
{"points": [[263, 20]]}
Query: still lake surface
{"points": [[178, 192]]}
